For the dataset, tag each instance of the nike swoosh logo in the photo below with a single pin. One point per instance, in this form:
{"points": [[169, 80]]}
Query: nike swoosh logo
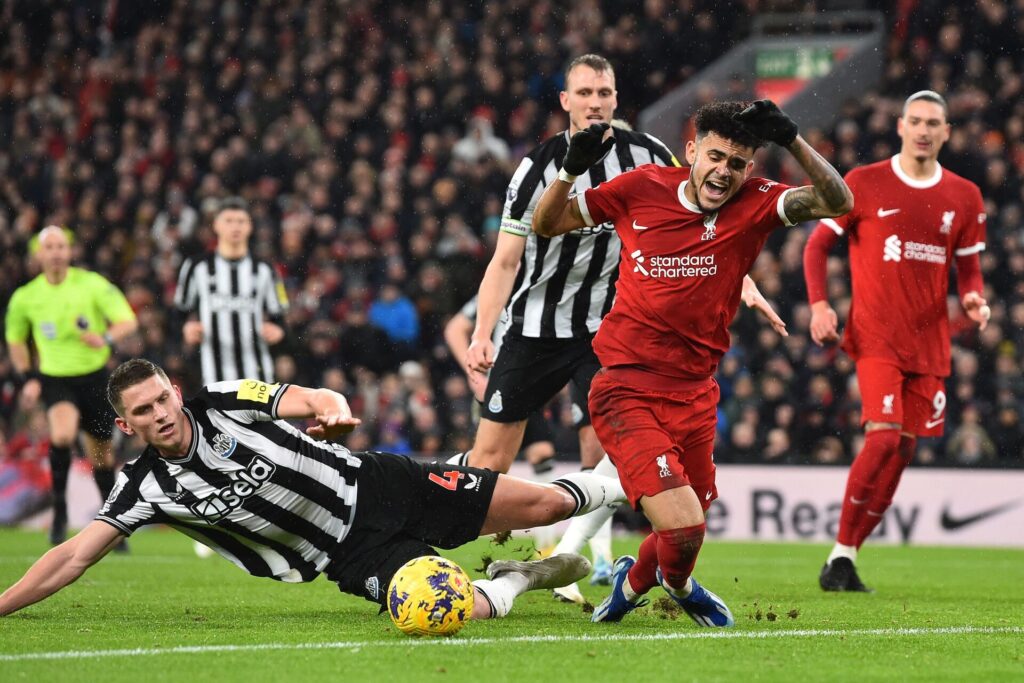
{"points": [[640, 227], [951, 523], [882, 213], [934, 423]]}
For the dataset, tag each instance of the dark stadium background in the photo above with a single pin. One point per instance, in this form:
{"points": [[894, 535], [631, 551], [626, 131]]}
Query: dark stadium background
{"points": [[340, 123]]}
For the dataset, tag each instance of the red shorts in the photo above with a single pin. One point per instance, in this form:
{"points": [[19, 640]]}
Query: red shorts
{"points": [[915, 402], [658, 440]]}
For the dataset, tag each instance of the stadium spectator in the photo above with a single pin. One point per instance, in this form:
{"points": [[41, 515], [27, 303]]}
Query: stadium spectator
{"points": [[911, 220], [73, 318]]}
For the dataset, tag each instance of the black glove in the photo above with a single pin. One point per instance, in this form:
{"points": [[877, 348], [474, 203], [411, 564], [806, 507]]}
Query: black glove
{"points": [[764, 119], [586, 149]]}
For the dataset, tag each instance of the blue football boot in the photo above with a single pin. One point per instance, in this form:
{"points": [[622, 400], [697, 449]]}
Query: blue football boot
{"points": [[616, 606], [703, 606]]}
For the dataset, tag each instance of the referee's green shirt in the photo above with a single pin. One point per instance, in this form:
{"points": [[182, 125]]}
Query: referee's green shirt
{"points": [[57, 314]]}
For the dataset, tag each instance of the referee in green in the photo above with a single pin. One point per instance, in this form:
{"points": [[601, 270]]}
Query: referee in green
{"points": [[73, 317]]}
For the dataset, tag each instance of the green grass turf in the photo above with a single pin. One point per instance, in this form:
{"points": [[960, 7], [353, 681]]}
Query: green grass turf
{"points": [[161, 596]]}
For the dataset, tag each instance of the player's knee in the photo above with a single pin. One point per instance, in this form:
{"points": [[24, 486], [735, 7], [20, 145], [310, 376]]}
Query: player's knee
{"points": [[553, 505], [886, 440]]}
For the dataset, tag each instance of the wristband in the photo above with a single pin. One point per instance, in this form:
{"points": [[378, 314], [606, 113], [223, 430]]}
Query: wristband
{"points": [[108, 339], [566, 177]]}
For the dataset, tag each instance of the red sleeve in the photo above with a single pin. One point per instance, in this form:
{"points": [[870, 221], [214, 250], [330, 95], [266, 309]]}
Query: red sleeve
{"points": [[820, 243], [968, 275], [971, 239], [609, 200]]}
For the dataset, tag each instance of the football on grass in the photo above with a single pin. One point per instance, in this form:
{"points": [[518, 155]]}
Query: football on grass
{"points": [[430, 596]]}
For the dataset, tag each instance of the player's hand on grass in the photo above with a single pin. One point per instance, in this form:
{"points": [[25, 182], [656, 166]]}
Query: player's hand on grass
{"points": [[587, 147], [824, 323], [753, 298], [192, 332], [271, 333], [480, 356], [764, 119], [977, 309]]}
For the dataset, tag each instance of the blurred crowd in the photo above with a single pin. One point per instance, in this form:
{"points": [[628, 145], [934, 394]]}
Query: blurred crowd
{"points": [[374, 141]]}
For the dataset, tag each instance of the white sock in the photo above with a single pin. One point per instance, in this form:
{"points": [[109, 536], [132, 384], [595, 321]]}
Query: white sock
{"points": [[460, 459], [628, 592], [591, 491], [582, 529], [680, 592], [840, 550], [601, 543], [502, 591]]}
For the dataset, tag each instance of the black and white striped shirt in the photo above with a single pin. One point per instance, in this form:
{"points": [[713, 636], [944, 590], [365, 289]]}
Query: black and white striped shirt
{"points": [[233, 298], [566, 284], [255, 489]]}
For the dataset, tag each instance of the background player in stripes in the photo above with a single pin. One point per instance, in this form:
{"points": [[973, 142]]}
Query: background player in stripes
{"points": [[74, 318], [912, 217], [225, 468], [235, 303]]}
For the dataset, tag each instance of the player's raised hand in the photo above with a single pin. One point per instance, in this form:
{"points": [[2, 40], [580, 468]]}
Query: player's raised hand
{"points": [[764, 119], [480, 356], [753, 298], [332, 424], [824, 323], [977, 309], [587, 147]]}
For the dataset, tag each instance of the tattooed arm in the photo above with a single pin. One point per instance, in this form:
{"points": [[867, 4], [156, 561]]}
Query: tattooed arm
{"points": [[827, 197]]}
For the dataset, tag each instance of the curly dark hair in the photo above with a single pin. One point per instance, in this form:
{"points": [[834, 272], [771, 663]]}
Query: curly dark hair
{"points": [[717, 117]]}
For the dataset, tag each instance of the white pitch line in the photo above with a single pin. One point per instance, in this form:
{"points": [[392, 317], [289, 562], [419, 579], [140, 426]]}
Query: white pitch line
{"points": [[465, 642]]}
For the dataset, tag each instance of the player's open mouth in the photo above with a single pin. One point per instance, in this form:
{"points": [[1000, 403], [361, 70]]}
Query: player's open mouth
{"points": [[715, 189], [166, 430]]}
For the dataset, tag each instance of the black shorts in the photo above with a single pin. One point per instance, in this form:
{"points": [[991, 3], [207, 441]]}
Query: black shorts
{"points": [[88, 393], [404, 509], [529, 372]]}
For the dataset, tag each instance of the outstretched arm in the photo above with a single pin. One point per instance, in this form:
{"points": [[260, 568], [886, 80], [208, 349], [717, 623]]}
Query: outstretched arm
{"points": [[753, 298], [328, 408], [60, 566], [828, 195]]}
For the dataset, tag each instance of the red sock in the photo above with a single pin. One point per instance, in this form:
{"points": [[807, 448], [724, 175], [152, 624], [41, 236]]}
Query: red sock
{"points": [[677, 553], [879, 446], [885, 488], [642, 574]]}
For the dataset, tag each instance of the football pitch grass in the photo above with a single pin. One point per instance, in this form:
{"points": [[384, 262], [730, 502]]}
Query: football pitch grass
{"points": [[160, 613]]}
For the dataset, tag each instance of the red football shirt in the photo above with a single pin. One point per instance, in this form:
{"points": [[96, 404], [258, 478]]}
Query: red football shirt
{"points": [[681, 271], [903, 236]]}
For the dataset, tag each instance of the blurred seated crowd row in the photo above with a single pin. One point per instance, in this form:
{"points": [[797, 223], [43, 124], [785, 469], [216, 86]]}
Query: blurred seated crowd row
{"points": [[374, 141]]}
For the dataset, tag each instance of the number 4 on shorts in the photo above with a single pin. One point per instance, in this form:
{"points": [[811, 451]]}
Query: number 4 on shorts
{"points": [[449, 480]]}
